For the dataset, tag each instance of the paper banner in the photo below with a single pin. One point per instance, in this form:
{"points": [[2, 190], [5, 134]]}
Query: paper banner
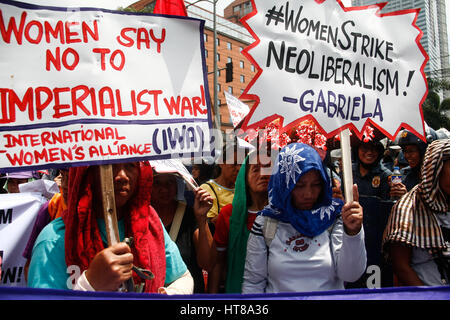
{"points": [[238, 109], [18, 212]]}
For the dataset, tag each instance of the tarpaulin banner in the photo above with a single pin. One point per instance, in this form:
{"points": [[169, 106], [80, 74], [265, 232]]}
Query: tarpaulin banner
{"points": [[18, 212], [94, 86]]}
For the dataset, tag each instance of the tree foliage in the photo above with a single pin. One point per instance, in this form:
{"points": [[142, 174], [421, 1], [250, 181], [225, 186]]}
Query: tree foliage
{"points": [[435, 110], [445, 105]]}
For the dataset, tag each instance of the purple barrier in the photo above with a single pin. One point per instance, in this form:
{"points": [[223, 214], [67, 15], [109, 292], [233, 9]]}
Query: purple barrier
{"points": [[400, 293]]}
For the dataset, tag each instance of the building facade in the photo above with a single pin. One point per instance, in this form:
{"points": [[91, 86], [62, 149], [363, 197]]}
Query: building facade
{"points": [[433, 22]]}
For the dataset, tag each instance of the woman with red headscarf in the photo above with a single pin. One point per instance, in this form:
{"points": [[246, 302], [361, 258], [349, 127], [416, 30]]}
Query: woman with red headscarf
{"points": [[416, 239], [76, 243]]}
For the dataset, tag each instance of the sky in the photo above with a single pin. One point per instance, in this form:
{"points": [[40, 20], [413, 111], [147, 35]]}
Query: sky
{"points": [[221, 4]]}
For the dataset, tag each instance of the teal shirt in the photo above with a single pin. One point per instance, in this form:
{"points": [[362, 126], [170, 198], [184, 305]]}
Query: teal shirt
{"points": [[48, 267]]}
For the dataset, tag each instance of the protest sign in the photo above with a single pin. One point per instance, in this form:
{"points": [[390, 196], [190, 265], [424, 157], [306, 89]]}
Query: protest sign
{"points": [[238, 110], [94, 86], [342, 67], [18, 212]]}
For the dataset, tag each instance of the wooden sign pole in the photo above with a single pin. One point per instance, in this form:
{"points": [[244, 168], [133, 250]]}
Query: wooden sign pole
{"points": [[109, 204], [110, 214]]}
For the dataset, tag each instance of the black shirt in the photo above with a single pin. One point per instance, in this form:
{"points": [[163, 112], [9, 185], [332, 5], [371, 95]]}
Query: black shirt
{"points": [[374, 183]]}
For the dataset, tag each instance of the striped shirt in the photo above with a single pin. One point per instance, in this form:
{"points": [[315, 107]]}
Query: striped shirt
{"points": [[413, 219]]}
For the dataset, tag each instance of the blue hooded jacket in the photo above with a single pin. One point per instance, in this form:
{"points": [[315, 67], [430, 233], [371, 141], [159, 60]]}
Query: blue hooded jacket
{"points": [[293, 161]]}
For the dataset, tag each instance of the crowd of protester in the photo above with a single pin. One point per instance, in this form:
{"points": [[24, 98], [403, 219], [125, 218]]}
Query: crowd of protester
{"points": [[255, 224]]}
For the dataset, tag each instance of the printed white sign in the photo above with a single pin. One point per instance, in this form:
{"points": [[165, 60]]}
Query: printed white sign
{"points": [[18, 212], [343, 67]]}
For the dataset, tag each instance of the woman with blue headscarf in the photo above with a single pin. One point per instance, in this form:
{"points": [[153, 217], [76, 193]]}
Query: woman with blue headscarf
{"points": [[304, 240]]}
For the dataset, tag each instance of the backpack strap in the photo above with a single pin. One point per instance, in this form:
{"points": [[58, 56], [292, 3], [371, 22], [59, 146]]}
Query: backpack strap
{"points": [[177, 219]]}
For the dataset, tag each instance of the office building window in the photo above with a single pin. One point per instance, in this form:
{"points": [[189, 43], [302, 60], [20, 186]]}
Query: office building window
{"points": [[229, 46], [242, 78], [241, 64], [247, 7]]}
